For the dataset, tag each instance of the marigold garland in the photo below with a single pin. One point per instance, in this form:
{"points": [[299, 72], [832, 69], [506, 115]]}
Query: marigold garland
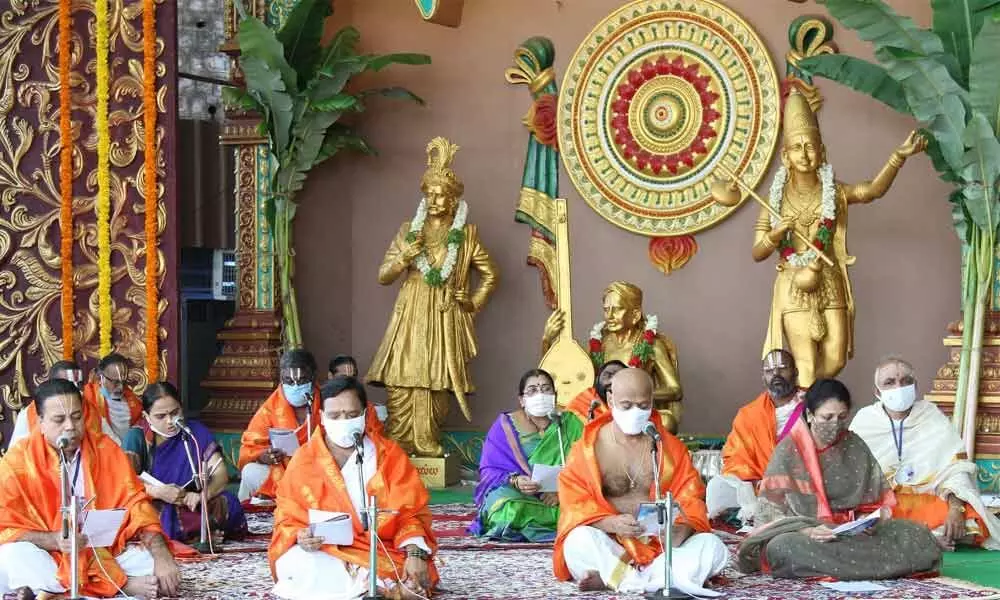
{"points": [[152, 195], [65, 179], [103, 179]]}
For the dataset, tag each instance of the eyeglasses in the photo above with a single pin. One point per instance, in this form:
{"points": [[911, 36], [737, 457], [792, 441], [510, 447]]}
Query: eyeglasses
{"points": [[531, 390], [112, 380]]}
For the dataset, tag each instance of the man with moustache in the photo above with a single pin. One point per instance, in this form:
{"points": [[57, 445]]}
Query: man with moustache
{"points": [[757, 429]]}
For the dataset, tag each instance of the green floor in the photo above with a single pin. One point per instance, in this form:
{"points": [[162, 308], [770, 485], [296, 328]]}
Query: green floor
{"points": [[973, 564]]}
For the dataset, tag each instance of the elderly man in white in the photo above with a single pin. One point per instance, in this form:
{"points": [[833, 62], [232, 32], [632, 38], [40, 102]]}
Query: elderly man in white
{"points": [[924, 458]]}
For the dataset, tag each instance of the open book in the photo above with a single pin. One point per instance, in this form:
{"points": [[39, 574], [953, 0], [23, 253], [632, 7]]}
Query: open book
{"points": [[858, 525]]}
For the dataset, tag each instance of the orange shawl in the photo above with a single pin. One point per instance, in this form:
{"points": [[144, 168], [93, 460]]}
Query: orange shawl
{"points": [[582, 500], [753, 438], [580, 406], [371, 421], [92, 395], [30, 501], [276, 413], [313, 480]]}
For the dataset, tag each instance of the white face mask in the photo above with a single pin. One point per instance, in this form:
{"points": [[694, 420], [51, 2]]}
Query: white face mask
{"points": [[631, 421], [540, 405], [899, 399], [382, 412], [340, 432], [160, 433]]}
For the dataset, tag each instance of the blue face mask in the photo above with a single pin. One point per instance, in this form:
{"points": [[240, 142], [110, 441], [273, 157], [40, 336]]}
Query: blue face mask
{"points": [[297, 395], [107, 395]]}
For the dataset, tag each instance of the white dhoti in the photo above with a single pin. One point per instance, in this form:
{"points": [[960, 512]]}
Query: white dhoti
{"points": [[23, 564], [252, 477], [318, 576], [727, 491], [588, 549]]}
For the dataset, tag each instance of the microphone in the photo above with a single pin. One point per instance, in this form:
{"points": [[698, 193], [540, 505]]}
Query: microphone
{"points": [[64, 441], [651, 431], [359, 443], [179, 423], [555, 417], [593, 406]]}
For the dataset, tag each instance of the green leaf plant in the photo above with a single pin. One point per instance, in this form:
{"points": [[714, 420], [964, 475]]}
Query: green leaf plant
{"points": [[298, 86]]}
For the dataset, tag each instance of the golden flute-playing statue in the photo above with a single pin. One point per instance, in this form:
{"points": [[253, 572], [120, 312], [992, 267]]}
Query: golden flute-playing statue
{"points": [[430, 338], [812, 307]]}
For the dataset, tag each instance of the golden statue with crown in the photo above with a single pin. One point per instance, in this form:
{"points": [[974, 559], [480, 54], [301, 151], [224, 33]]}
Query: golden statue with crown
{"points": [[804, 220], [430, 340]]}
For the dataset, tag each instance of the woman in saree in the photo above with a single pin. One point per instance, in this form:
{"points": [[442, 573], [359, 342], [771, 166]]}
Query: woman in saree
{"points": [[822, 475], [511, 506], [159, 448]]}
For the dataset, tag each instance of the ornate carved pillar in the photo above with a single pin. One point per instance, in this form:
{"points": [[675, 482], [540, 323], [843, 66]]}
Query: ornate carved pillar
{"points": [[246, 371]]}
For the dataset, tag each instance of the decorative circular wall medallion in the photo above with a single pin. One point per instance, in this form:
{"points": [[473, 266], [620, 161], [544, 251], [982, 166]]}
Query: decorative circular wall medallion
{"points": [[656, 96]]}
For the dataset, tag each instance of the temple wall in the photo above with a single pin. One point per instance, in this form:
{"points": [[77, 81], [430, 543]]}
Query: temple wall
{"points": [[906, 280]]}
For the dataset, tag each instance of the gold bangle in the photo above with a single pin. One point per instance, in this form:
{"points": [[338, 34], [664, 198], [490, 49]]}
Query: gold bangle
{"points": [[896, 160], [768, 242]]}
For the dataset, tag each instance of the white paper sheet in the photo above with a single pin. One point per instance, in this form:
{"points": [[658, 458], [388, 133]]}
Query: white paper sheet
{"points": [[284, 440], [858, 525], [647, 517], [335, 528], [854, 586], [148, 479], [101, 526], [547, 477]]}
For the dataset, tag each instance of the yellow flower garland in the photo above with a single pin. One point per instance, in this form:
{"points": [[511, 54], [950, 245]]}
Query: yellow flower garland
{"points": [[65, 179], [103, 180]]}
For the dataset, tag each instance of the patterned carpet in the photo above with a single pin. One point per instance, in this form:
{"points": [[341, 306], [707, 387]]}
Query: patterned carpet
{"points": [[473, 569]]}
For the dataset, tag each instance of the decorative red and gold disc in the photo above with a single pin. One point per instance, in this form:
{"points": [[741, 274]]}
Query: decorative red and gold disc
{"points": [[654, 100]]}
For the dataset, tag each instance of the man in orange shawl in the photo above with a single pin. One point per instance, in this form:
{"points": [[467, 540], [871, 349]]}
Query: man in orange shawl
{"points": [[327, 475], [115, 401], [608, 481], [757, 429], [27, 418], [33, 552], [290, 408], [593, 402]]}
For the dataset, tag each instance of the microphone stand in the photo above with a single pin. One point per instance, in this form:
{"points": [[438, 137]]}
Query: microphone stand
{"points": [[371, 517], [70, 513], [557, 419], [359, 451], [204, 545], [665, 518]]}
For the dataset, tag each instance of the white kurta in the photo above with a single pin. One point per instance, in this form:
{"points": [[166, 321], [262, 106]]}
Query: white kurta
{"points": [[701, 556], [317, 575], [930, 448]]}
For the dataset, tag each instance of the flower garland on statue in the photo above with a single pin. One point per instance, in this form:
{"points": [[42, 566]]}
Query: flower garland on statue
{"points": [[103, 179], [151, 191], [827, 215], [436, 276], [65, 179], [642, 350]]}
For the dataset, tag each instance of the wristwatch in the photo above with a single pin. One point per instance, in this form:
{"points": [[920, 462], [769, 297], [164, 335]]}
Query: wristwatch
{"points": [[417, 552]]}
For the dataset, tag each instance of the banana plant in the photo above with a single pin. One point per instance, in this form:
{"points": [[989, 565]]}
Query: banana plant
{"points": [[298, 86], [948, 78]]}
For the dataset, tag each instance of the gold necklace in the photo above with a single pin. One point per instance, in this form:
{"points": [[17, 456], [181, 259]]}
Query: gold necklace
{"points": [[631, 480]]}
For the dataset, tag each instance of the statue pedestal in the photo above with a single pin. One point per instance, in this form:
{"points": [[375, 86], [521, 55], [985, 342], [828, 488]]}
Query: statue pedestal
{"points": [[437, 473], [943, 389], [245, 373]]}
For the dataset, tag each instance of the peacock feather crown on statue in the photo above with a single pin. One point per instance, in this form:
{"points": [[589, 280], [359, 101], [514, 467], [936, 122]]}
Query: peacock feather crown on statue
{"points": [[440, 154]]}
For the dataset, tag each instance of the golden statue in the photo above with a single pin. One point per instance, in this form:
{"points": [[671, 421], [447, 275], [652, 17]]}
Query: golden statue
{"points": [[626, 334], [805, 221], [430, 338]]}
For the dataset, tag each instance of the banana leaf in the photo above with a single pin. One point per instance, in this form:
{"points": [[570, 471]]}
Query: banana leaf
{"points": [[981, 172], [859, 75], [984, 73], [265, 85], [341, 137], [259, 42], [302, 33], [377, 63], [957, 23]]}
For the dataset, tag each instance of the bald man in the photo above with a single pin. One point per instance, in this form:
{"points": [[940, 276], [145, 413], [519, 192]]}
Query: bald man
{"points": [[609, 473], [757, 429], [924, 458]]}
